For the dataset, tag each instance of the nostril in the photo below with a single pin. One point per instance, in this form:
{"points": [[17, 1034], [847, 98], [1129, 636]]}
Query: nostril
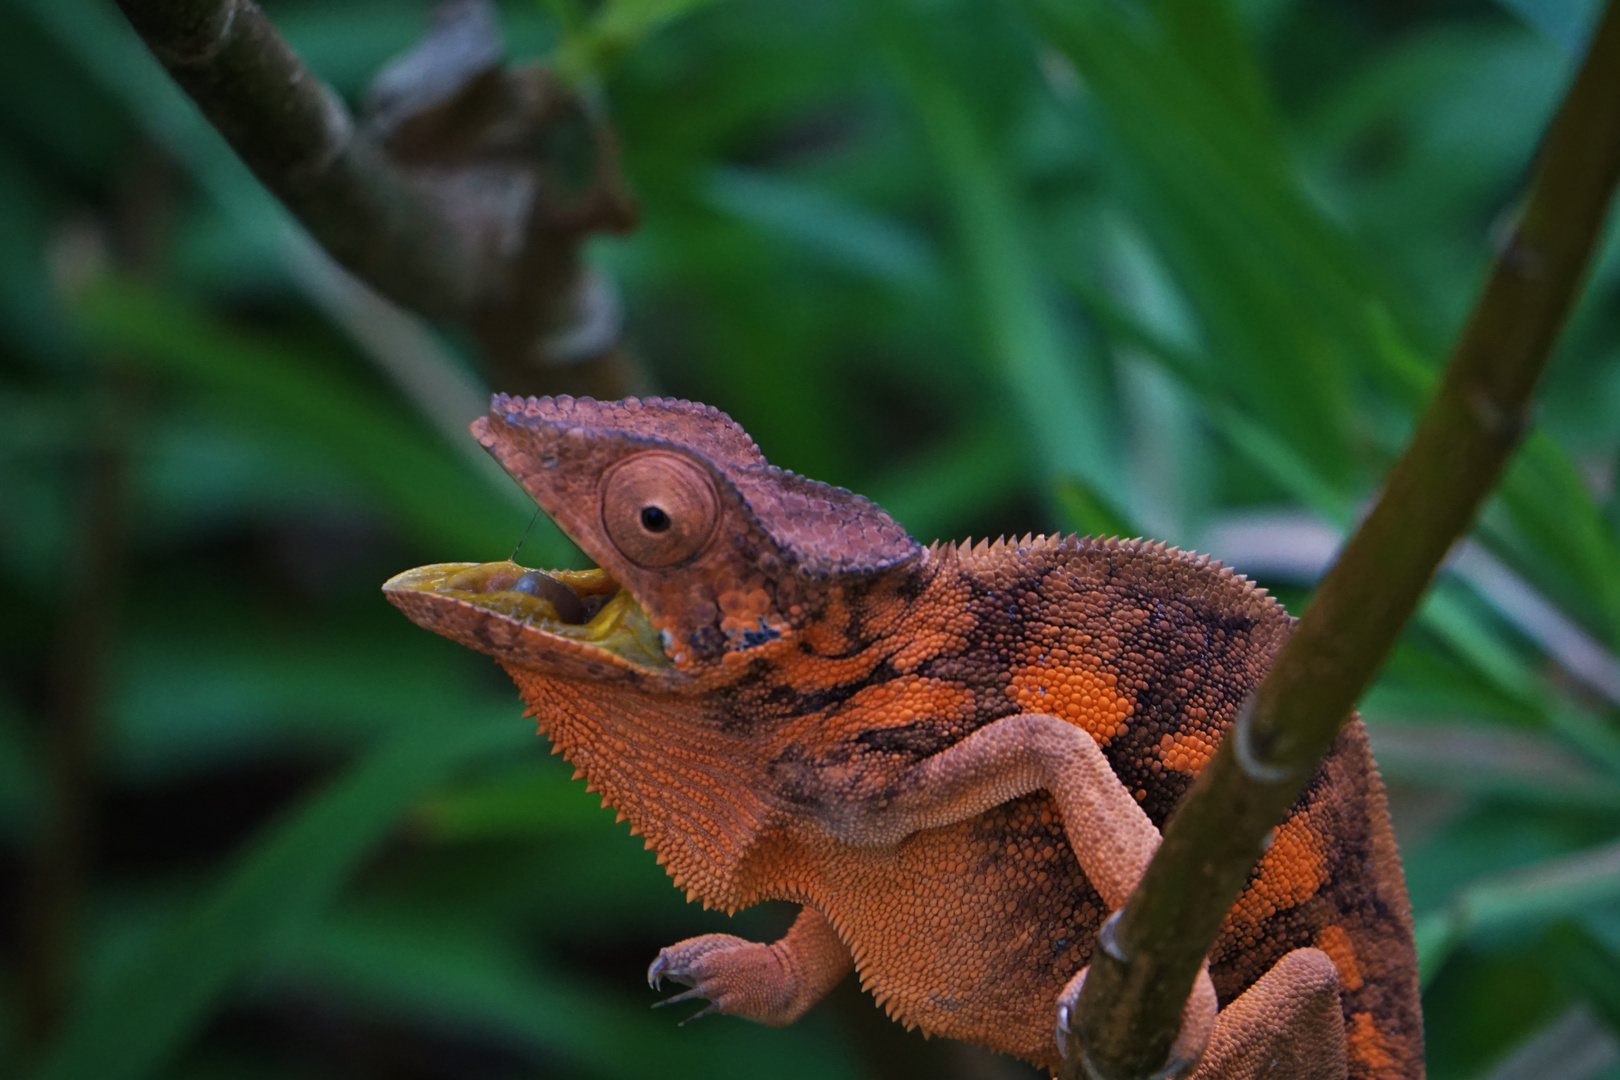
{"points": [[534, 583]]}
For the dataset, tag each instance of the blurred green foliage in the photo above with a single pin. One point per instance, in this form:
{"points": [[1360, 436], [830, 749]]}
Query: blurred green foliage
{"points": [[1003, 266]]}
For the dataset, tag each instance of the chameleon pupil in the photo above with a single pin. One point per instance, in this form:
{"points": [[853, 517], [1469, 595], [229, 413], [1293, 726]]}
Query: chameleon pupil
{"points": [[653, 519]]}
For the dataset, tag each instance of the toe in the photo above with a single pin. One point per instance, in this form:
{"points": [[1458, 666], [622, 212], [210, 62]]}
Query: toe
{"points": [[684, 995], [708, 1010]]}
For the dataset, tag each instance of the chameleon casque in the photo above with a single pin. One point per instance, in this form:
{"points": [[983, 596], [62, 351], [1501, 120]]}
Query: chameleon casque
{"points": [[955, 757]]}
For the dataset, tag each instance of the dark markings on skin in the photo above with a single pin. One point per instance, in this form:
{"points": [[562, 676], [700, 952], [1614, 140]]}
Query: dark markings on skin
{"points": [[911, 586], [762, 636], [707, 641], [916, 741], [1055, 911], [824, 784], [1349, 898], [1177, 634], [769, 698], [856, 647], [793, 775]]}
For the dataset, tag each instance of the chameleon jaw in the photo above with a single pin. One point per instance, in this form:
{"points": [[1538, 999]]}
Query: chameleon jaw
{"points": [[585, 607]]}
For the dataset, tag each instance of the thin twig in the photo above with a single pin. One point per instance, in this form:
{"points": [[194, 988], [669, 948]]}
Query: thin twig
{"points": [[452, 199], [299, 140], [1129, 1010]]}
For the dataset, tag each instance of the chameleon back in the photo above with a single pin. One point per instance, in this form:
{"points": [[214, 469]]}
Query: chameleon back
{"points": [[971, 930]]}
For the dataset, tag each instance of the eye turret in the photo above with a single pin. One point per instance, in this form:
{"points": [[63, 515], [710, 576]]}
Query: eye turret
{"points": [[659, 508]]}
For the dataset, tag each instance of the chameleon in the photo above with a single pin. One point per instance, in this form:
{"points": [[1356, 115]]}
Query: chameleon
{"points": [[955, 757]]}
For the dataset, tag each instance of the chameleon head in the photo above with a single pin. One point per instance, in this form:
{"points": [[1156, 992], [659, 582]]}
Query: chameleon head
{"points": [[705, 551]]}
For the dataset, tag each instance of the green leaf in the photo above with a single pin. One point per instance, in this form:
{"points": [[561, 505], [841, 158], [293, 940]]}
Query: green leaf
{"points": [[431, 493], [614, 29], [1570, 540], [1514, 766], [1059, 392], [185, 698], [955, 482], [1521, 899], [1214, 43], [530, 799], [1085, 511], [848, 235], [1568, 22], [21, 770], [1588, 966], [1279, 295], [419, 965], [157, 1000]]}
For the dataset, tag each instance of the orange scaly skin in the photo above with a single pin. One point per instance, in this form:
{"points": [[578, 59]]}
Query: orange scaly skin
{"points": [[956, 758]]}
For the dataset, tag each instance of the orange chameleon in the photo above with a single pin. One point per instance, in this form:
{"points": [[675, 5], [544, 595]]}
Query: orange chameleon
{"points": [[955, 757]]}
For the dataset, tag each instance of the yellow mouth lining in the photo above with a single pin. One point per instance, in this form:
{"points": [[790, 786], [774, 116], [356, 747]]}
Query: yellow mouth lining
{"points": [[586, 606]]}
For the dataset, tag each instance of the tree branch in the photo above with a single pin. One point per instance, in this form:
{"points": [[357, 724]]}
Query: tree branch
{"points": [[460, 194], [1131, 1004], [299, 140]]}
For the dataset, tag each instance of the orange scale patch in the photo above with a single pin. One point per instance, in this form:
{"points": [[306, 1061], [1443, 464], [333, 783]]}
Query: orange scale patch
{"points": [[803, 673], [1291, 872], [828, 632], [1073, 690], [933, 640], [1187, 751], [743, 609], [905, 700], [1369, 1046], [1335, 941]]}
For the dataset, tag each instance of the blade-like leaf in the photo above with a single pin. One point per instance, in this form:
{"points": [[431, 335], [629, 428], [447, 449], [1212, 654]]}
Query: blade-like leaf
{"points": [[153, 1004], [1057, 390], [418, 966], [1535, 894], [432, 493]]}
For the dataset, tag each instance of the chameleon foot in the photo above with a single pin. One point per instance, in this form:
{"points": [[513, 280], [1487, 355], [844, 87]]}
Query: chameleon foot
{"points": [[1197, 1021], [773, 984], [736, 977], [694, 994]]}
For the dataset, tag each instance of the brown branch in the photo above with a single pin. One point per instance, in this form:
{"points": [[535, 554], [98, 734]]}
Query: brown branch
{"points": [[299, 140], [1130, 1009], [464, 194]]}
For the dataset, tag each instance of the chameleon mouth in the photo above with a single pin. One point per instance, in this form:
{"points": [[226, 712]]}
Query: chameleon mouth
{"points": [[584, 606]]}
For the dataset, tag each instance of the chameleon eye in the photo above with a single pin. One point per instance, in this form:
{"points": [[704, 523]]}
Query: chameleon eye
{"points": [[659, 508]]}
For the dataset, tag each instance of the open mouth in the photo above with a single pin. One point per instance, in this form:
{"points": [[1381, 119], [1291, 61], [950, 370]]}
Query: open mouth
{"points": [[586, 606]]}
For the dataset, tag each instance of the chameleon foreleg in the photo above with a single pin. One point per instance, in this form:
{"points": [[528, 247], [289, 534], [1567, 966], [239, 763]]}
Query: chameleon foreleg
{"points": [[773, 984], [1111, 835]]}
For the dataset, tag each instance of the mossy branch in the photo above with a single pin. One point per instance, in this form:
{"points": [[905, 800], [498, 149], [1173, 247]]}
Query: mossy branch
{"points": [[1130, 1008]]}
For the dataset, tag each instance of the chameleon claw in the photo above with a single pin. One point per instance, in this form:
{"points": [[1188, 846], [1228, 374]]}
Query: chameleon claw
{"points": [[684, 995], [709, 1007], [655, 972], [1068, 1001], [708, 1010]]}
